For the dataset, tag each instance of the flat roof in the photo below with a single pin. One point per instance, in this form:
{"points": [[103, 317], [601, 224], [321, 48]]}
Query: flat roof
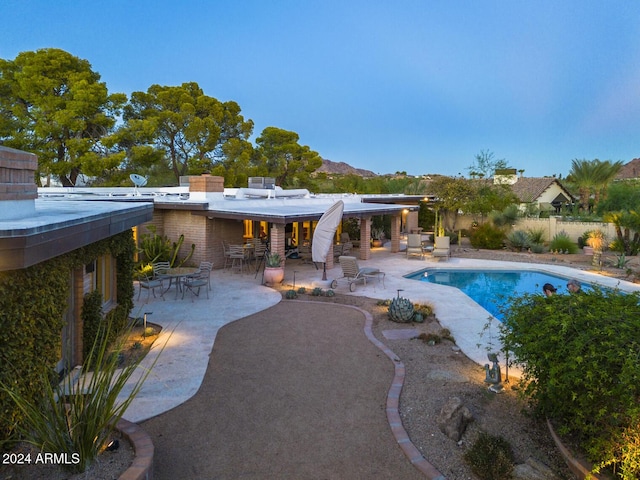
{"points": [[60, 225], [281, 209]]}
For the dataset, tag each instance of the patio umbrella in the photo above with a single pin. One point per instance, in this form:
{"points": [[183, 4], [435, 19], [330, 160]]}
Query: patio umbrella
{"points": [[324, 233]]}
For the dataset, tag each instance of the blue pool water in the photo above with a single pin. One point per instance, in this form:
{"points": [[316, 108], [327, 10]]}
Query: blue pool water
{"points": [[492, 288]]}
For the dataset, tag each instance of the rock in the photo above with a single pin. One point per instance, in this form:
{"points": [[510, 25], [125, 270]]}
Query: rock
{"points": [[454, 418], [533, 470]]}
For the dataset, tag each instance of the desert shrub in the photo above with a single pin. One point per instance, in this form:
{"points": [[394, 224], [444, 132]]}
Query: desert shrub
{"points": [[487, 236], [563, 243], [317, 292], [291, 294], [518, 240], [536, 235], [580, 356], [537, 248], [490, 457], [78, 419]]}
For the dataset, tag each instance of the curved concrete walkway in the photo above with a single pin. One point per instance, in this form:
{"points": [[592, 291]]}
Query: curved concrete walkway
{"points": [[295, 391]]}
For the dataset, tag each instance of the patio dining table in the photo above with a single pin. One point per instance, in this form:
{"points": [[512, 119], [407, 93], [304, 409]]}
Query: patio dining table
{"points": [[178, 274]]}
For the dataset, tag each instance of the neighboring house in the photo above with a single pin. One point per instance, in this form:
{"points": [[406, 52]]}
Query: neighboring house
{"points": [[547, 192]]}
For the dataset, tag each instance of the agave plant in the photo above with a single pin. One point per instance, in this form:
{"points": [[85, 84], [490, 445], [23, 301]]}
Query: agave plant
{"points": [[401, 310]]}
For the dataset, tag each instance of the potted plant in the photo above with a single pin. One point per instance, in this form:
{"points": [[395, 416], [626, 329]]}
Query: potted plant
{"points": [[376, 237], [273, 269]]}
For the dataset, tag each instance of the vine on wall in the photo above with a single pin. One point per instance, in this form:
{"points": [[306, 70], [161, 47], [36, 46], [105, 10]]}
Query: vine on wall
{"points": [[32, 305]]}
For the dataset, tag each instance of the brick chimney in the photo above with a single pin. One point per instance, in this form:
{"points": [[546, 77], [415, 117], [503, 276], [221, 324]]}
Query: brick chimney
{"points": [[18, 189]]}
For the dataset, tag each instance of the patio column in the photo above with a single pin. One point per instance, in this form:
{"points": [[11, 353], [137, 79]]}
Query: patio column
{"points": [[277, 239], [365, 238], [396, 220]]}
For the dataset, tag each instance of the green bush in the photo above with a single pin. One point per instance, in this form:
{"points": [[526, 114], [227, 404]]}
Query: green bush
{"points": [[490, 457], [487, 236], [580, 356], [518, 240], [563, 243]]}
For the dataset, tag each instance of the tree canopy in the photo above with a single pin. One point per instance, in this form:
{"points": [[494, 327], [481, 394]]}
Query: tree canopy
{"points": [[194, 132], [54, 105], [281, 156], [485, 165], [592, 177]]}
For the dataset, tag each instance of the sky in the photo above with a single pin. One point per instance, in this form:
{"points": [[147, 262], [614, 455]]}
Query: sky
{"points": [[418, 86]]}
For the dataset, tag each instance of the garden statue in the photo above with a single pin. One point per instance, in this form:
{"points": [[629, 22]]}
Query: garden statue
{"points": [[494, 376]]}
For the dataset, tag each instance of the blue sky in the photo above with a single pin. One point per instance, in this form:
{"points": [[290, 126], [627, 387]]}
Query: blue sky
{"points": [[415, 86]]}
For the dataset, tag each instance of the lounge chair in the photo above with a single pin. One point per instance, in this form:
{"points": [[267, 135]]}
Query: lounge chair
{"points": [[414, 245], [353, 273], [442, 248]]}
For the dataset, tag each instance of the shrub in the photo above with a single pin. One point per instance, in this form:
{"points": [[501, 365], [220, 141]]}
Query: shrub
{"points": [[537, 248], [490, 457], [563, 243], [518, 240], [487, 236], [291, 294], [581, 367], [317, 292], [79, 418], [536, 235]]}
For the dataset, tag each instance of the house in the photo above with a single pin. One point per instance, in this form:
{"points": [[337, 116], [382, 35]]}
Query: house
{"points": [[547, 192], [207, 214], [54, 249]]}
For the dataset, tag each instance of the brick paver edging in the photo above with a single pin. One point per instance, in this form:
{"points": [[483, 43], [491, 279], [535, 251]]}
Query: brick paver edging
{"points": [[142, 466], [393, 403]]}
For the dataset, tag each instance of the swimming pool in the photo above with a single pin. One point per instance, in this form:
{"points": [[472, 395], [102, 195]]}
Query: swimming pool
{"points": [[492, 289]]}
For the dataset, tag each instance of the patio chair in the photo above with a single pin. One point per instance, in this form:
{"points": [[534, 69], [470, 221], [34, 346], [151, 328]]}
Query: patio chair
{"points": [[353, 273], [206, 267], [195, 282], [442, 248], [414, 245], [239, 257], [156, 280]]}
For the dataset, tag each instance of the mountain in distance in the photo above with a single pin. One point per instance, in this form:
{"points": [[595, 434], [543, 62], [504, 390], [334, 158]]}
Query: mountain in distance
{"points": [[341, 168]]}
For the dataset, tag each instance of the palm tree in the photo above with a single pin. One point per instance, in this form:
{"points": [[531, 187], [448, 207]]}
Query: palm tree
{"points": [[604, 173], [583, 175]]}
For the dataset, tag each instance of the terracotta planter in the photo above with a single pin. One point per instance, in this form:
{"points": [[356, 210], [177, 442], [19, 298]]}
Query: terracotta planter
{"points": [[587, 250], [376, 243], [273, 275]]}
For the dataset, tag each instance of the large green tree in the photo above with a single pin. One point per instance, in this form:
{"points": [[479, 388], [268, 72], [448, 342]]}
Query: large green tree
{"points": [[282, 157], [54, 105], [192, 131]]}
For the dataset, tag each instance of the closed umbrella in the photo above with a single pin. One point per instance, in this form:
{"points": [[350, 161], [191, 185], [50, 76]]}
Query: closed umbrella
{"points": [[324, 233]]}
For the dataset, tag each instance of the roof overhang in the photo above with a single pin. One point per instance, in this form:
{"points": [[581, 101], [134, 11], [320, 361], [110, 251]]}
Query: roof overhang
{"points": [[60, 226]]}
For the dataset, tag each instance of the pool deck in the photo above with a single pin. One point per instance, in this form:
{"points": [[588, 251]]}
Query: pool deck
{"points": [[190, 325]]}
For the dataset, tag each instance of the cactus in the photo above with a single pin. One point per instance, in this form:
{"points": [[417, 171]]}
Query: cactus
{"points": [[418, 318], [291, 294], [316, 292], [302, 290], [401, 310], [330, 293]]}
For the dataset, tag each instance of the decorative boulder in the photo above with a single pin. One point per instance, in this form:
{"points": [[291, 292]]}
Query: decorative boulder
{"points": [[454, 418]]}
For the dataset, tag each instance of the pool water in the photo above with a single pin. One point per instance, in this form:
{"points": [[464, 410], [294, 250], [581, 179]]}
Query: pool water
{"points": [[492, 289]]}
